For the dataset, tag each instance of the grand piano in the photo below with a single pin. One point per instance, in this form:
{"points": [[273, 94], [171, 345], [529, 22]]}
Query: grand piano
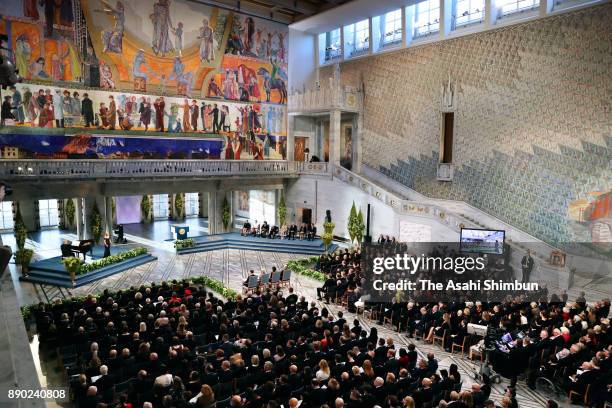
{"points": [[75, 248]]}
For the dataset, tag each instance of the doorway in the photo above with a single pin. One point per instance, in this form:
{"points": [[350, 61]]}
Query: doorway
{"points": [[299, 151], [305, 215]]}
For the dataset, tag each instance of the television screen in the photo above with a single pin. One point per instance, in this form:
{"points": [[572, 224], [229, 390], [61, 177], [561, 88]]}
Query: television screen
{"points": [[482, 241]]}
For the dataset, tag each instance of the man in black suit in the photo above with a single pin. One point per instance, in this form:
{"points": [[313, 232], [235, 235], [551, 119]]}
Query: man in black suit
{"points": [[91, 398], [527, 266], [579, 382], [215, 114], [87, 110]]}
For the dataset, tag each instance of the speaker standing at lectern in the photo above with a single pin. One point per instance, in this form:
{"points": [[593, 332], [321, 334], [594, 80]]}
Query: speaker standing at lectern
{"points": [[5, 251]]}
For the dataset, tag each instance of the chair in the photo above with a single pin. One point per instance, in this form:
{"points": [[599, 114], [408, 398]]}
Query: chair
{"points": [[252, 284], [462, 346], [458, 386], [585, 396], [265, 279], [441, 339], [476, 352], [286, 277], [275, 278]]}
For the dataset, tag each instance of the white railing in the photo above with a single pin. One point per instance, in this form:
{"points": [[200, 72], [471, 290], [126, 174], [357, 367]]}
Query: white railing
{"points": [[325, 97], [399, 204], [86, 169]]}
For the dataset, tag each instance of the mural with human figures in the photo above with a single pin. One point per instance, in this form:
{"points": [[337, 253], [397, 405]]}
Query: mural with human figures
{"points": [[149, 65], [184, 48]]}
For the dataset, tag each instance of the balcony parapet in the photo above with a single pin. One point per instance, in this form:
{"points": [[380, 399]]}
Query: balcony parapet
{"points": [[33, 170]]}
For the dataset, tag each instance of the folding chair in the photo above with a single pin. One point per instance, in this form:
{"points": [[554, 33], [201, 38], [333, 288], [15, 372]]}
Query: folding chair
{"points": [[286, 277], [252, 284], [275, 278]]}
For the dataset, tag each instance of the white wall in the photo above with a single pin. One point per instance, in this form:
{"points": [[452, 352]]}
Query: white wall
{"points": [[302, 65], [321, 195]]}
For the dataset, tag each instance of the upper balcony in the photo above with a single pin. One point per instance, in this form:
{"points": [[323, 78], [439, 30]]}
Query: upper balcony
{"points": [[59, 170], [326, 96]]}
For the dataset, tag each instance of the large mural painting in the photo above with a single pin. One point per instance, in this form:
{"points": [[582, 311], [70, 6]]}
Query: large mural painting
{"points": [[149, 66], [184, 48]]}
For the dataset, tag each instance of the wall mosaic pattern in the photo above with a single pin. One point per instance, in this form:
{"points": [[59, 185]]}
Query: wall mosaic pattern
{"points": [[532, 142]]}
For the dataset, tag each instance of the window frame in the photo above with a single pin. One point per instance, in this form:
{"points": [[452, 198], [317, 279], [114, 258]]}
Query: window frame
{"points": [[416, 33]]}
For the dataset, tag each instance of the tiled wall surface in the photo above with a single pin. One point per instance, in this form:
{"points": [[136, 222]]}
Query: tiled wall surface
{"points": [[532, 126]]}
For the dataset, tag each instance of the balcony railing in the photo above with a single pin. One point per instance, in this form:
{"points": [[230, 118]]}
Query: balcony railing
{"points": [[97, 169]]}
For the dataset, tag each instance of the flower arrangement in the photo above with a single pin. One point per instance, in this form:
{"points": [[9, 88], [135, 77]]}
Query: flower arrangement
{"points": [[302, 267], [23, 257], [328, 236], [217, 286], [109, 260], [72, 265], [184, 243], [213, 284]]}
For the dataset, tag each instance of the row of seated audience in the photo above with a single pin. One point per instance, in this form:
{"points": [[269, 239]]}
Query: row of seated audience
{"points": [[558, 339], [177, 345], [306, 231]]}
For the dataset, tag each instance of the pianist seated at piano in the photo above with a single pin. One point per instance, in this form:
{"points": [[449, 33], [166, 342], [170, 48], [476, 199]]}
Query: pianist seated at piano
{"points": [[74, 248], [66, 249]]}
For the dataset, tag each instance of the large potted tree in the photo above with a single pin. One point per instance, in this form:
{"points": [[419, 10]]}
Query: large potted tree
{"points": [[179, 206], [226, 216], [145, 208], [352, 223], [96, 223], [23, 256], [282, 210]]}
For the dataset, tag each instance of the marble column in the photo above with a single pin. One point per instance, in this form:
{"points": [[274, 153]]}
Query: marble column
{"points": [[87, 208], [215, 211], [108, 214], [79, 217], [334, 137], [204, 205], [290, 137]]}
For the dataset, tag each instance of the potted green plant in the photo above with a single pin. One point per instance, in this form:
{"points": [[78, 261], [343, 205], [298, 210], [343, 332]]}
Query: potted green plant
{"points": [[20, 229], [359, 227], [23, 257], [70, 210], [226, 215], [282, 210], [96, 223], [145, 208], [352, 223], [179, 205], [72, 265]]}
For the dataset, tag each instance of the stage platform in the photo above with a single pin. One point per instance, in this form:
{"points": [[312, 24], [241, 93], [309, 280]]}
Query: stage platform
{"points": [[233, 240], [52, 272]]}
